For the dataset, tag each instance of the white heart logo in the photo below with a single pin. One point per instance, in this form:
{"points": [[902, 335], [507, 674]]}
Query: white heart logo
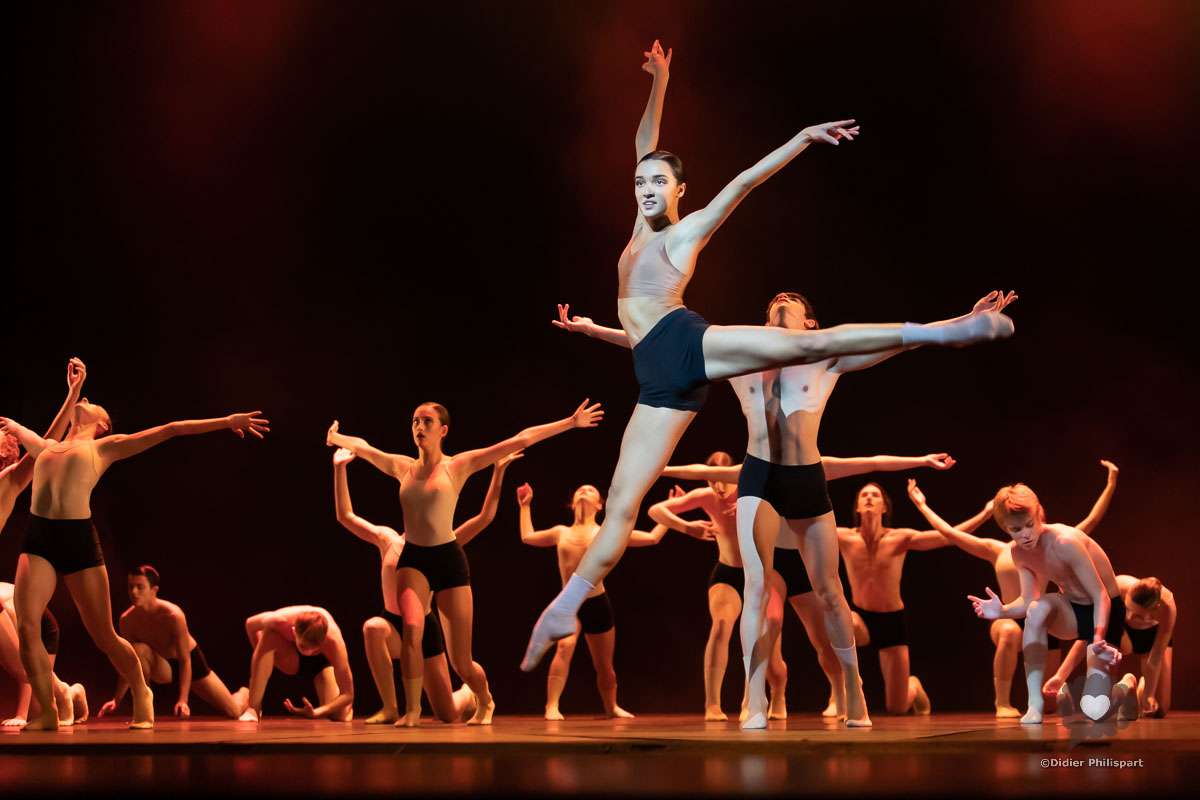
{"points": [[1095, 706]]}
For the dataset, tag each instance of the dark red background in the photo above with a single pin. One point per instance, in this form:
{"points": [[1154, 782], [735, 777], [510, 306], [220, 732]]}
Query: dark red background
{"points": [[328, 211]]}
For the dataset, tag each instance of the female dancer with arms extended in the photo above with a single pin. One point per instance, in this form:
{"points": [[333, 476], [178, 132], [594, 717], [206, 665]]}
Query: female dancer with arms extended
{"points": [[676, 354], [433, 563], [382, 633], [62, 540]]}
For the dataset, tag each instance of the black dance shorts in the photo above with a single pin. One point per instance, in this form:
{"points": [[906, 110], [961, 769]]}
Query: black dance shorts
{"points": [[312, 666], [730, 576], [70, 545], [200, 668], [886, 628], [49, 632], [596, 614], [1085, 622], [795, 492], [669, 362], [433, 643], [1142, 639], [790, 567], [443, 565]]}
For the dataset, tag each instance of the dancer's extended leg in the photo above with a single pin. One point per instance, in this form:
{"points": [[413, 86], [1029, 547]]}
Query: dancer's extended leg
{"points": [[647, 445], [602, 647], [458, 606], [809, 609], [89, 589], [556, 679], [732, 350], [817, 539], [1006, 635], [724, 605], [414, 596], [1048, 614], [35, 584], [757, 550]]}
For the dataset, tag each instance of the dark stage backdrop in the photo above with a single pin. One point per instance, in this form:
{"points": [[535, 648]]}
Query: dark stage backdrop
{"points": [[341, 210]]}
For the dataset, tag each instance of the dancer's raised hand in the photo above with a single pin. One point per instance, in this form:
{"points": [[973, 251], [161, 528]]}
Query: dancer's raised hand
{"points": [[524, 494], [991, 608], [76, 374], [914, 492], [251, 421], [587, 416], [832, 132], [574, 324], [657, 63], [342, 456]]}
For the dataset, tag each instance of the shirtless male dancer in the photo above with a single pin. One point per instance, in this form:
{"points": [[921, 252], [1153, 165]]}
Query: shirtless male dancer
{"points": [[382, 634], [796, 586], [1046, 552], [596, 614], [304, 641], [158, 631], [1150, 614], [71, 700], [62, 540], [1006, 633]]}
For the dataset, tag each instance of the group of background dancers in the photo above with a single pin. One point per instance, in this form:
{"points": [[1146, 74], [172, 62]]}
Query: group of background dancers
{"points": [[777, 538]]}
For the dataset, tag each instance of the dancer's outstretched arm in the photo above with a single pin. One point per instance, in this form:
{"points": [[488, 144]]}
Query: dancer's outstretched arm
{"points": [[987, 549], [992, 607], [379, 535], [585, 326], [472, 461], [1152, 669], [388, 463], [1101, 507], [340, 661], [546, 538], [845, 467], [656, 534], [667, 513], [17, 476], [491, 501], [698, 226], [704, 472], [119, 446], [943, 533], [658, 64]]}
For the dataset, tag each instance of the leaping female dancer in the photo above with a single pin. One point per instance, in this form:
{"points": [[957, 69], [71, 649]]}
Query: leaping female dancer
{"points": [[676, 353]]}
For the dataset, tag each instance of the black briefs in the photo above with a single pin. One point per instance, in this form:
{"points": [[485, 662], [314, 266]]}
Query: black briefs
{"points": [[200, 667], [443, 565], [886, 628], [49, 632], [790, 567], [731, 576], [795, 492], [70, 545], [312, 666], [1085, 623], [433, 643], [596, 614], [669, 362], [1142, 639]]}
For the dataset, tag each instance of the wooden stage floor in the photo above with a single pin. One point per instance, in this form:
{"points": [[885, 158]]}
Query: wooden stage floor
{"points": [[946, 754]]}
